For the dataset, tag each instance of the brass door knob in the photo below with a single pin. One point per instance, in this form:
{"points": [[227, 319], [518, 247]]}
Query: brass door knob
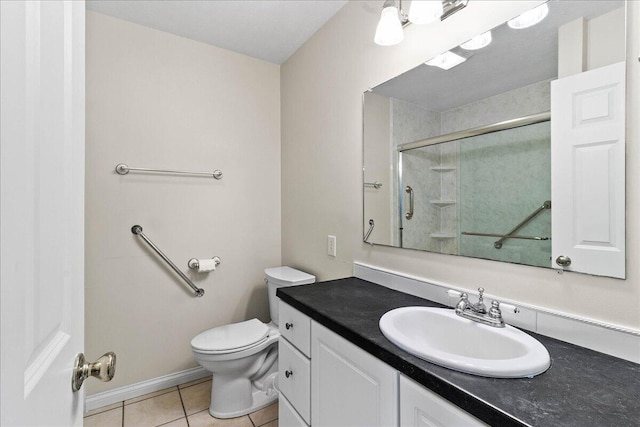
{"points": [[563, 261], [104, 369]]}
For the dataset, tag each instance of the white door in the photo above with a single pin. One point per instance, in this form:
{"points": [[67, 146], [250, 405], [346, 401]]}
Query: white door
{"points": [[588, 171], [41, 210]]}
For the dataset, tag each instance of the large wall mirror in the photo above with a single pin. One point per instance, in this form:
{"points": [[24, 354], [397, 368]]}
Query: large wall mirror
{"points": [[509, 147]]}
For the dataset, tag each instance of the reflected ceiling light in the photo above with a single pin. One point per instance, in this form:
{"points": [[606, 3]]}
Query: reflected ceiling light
{"points": [[478, 42], [389, 30], [530, 17], [446, 61]]}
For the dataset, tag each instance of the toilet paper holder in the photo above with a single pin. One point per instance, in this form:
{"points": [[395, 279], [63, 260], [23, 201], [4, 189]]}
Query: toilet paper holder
{"points": [[194, 263]]}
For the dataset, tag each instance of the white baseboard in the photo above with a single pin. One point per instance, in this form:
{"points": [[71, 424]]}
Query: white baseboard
{"points": [[119, 394], [599, 336]]}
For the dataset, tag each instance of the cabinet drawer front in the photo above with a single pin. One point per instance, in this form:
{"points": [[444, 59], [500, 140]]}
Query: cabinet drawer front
{"points": [[296, 386], [420, 407], [295, 327], [287, 416]]}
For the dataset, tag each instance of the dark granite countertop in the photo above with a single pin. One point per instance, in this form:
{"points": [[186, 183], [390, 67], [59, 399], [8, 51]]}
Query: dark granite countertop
{"points": [[581, 388]]}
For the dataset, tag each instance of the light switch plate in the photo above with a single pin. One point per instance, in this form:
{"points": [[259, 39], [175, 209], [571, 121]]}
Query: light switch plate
{"points": [[331, 245]]}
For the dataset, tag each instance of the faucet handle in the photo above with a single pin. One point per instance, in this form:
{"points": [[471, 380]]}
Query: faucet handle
{"points": [[496, 314], [495, 311]]}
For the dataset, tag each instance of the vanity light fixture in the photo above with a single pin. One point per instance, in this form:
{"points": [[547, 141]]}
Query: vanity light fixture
{"points": [[392, 19], [478, 42], [425, 11], [389, 30], [530, 17], [446, 60]]}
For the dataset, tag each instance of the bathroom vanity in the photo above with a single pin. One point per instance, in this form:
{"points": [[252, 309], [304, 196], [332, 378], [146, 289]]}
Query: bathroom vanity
{"points": [[336, 368]]}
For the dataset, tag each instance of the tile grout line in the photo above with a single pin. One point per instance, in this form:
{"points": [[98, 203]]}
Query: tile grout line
{"points": [[183, 408], [123, 413], [168, 390]]}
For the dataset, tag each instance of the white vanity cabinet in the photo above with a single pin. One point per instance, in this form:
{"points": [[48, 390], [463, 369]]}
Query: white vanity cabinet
{"points": [[349, 387], [294, 367], [420, 407], [326, 381]]}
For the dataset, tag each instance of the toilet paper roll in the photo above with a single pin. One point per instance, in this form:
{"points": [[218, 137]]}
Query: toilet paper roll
{"points": [[205, 265]]}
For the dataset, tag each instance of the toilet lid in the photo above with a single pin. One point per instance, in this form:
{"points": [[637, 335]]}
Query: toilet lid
{"points": [[230, 337]]}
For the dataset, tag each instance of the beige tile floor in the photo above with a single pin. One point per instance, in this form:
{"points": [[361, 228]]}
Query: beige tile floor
{"points": [[186, 405]]}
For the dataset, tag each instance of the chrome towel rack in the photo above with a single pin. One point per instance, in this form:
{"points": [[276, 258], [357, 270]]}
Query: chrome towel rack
{"points": [[137, 230], [509, 235], [503, 237], [123, 169], [376, 184]]}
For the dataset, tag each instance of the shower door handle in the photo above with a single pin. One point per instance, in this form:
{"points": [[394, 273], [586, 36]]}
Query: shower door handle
{"points": [[409, 214]]}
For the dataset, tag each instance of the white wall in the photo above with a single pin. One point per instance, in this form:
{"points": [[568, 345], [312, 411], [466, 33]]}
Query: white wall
{"points": [[322, 86], [158, 100]]}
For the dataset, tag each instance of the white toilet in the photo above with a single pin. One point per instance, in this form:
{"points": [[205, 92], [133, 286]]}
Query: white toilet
{"points": [[243, 356]]}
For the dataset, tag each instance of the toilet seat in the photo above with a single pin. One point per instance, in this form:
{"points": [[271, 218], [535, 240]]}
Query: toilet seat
{"points": [[231, 338]]}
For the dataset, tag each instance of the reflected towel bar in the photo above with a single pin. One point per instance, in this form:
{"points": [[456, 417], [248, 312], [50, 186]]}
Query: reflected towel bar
{"points": [[375, 184], [137, 230], [504, 236], [545, 205], [123, 169]]}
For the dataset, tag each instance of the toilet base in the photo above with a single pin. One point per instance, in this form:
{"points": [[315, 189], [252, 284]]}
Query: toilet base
{"points": [[260, 399]]}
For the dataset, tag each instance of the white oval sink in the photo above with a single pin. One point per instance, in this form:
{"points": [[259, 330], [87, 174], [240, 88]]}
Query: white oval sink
{"points": [[440, 336]]}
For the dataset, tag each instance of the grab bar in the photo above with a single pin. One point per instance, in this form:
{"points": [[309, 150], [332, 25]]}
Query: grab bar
{"points": [[409, 214], [504, 236], [137, 230], [376, 184], [545, 205], [366, 236], [123, 169]]}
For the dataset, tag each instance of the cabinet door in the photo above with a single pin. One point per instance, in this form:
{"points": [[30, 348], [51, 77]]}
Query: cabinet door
{"points": [[420, 407], [349, 386], [287, 416]]}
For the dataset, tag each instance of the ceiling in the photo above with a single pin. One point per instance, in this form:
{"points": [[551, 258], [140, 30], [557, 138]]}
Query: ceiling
{"points": [[515, 58], [271, 30]]}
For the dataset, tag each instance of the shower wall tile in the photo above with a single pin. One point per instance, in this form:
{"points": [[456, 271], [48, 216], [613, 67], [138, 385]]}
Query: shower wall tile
{"points": [[413, 123], [527, 100]]}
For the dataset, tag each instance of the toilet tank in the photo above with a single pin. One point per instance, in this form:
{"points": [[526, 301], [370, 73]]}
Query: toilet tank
{"points": [[278, 277]]}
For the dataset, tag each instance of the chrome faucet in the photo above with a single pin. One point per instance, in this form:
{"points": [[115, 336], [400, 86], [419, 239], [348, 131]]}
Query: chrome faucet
{"points": [[478, 311]]}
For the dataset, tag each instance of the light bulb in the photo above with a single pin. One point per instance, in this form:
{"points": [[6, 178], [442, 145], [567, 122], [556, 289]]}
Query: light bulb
{"points": [[389, 30], [478, 42], [425, 11], [529, 18]]}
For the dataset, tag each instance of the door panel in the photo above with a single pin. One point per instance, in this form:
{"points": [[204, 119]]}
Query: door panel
{"points": [[588, 171], [42, 210]]}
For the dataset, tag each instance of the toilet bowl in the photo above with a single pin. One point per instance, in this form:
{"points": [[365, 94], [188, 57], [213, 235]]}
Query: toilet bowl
{"points": [[243, 357]]}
